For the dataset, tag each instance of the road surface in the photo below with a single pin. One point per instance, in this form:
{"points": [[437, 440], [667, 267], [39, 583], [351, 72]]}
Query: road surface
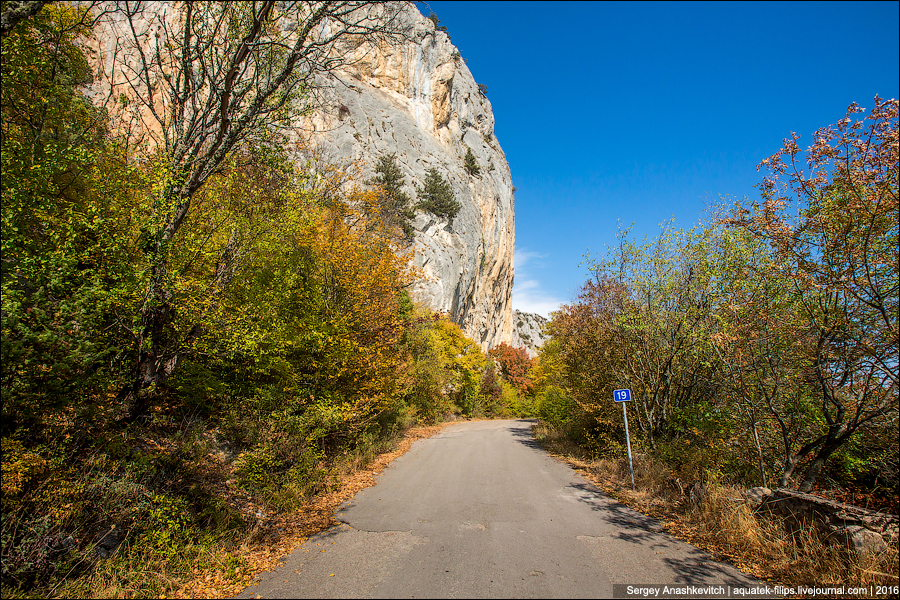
{"points": [[481, 511]]}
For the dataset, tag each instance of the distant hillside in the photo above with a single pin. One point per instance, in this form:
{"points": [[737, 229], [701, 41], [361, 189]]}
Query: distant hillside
{"points": [[528, 331]]}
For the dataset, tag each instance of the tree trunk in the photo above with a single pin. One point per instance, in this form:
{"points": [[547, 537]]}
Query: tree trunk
{"points": [[161, 348], [791, 461], [831, 443], [789, 464], [762, 464], [156, 315]]}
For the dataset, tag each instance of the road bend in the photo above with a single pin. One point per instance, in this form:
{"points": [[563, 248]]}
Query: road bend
{"points": [[481, 511]]}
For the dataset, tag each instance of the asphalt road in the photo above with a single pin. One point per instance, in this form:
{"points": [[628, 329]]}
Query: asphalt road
{"points": [[481, 511]]}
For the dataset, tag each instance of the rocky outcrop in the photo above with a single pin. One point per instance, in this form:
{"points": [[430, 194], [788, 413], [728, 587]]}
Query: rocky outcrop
{"points": [[418, 101], [863, 531], [528, 331]]}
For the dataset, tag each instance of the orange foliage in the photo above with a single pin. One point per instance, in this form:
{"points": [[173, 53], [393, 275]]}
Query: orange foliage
{"points": [[515, 366]]}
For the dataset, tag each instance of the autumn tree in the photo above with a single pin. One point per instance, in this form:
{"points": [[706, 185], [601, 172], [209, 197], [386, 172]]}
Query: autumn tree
{"points": [[447, 370], [515, 366], [833, 225], [220, 76], [490, 391]]}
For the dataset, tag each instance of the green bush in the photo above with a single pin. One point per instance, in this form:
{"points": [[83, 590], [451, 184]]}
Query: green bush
{"points": [[254, 468], [553, 406], [168, 525], [471, 164]]}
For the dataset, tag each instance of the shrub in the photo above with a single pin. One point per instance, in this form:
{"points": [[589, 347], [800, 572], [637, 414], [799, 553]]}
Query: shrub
{"points": [[471, 164], [437, 23], [554, 407], [168, 524]]}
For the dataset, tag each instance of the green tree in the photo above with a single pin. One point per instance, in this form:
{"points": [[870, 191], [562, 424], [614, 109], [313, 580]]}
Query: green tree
{"points": [[471, 164], [436, 196], [67, 275], [660, 312], [393, 203]]}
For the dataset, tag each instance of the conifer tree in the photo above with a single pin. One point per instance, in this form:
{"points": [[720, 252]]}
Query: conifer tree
{"points": [[394, 203], [471, 164], [436, 196]]}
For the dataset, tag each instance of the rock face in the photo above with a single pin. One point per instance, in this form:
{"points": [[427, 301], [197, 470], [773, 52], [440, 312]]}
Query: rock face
{"points": [[861, 530], [528, 331], [418, 101]]}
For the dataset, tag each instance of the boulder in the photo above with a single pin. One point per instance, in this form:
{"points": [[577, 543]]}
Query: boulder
{"points": [[756, 496], [861, 530]]}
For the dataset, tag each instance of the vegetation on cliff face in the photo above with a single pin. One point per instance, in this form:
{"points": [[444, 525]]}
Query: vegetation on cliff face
{"points": [[394, 206], [436, 196]]}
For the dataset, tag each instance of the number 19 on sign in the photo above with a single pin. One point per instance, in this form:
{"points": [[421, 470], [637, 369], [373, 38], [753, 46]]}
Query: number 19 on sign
{"points": [[624, 396]]}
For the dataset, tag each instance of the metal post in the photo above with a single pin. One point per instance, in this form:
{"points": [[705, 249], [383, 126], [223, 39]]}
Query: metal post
{"points": [[628, 441]]}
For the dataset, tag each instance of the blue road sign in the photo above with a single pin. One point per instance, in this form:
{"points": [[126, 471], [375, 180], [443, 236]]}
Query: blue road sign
{"points": [[622, 395]]}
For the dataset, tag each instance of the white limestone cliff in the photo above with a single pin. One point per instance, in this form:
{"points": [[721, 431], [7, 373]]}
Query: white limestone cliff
{"points": [[419, 101], [528, 331], [414, 98]]}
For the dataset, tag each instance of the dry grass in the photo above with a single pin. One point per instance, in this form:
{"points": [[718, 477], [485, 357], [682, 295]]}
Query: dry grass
{"points": [[726, 526]]}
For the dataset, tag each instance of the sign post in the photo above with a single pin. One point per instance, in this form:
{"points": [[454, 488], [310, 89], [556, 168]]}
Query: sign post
{"points": [[624, 396]]}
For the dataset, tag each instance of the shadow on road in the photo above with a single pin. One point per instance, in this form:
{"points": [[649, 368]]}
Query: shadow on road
{"points": [[700, 566], [691, 566], [632, 526], [521, 432]]}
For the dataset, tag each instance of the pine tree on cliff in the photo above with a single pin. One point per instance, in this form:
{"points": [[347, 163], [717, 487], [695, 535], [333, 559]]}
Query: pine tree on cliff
{"points": [[436, 196], [394, 203], [471, 164]]}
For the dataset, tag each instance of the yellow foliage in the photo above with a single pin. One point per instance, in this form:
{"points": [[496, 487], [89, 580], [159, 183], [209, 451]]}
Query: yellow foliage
{"points": [[19, 467]]}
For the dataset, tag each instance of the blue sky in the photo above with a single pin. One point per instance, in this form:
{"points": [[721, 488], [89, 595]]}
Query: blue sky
{"points": [[613, 114]]}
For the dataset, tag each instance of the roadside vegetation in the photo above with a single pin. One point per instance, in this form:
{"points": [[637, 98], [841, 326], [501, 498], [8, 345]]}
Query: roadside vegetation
{"points": [[205, 341], [724, 524], [760, 348]]}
